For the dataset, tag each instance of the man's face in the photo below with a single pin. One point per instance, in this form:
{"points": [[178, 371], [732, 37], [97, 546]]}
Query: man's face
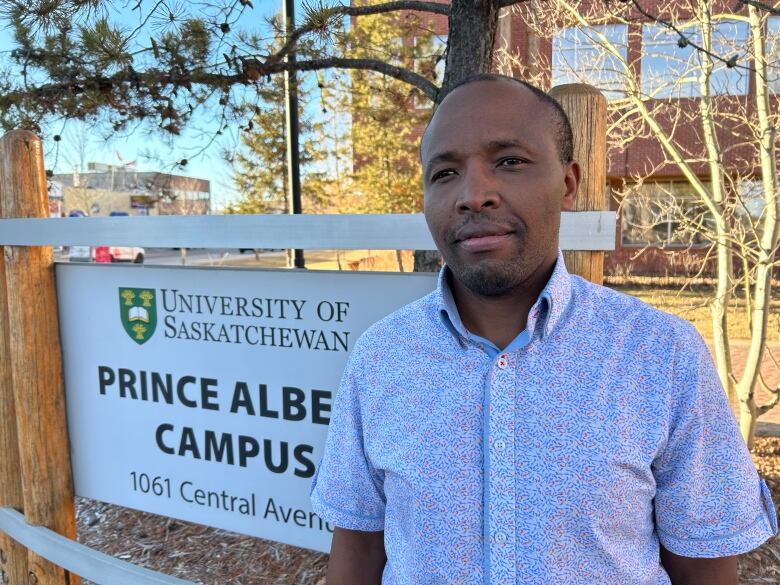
{"points": [[495, 185]]}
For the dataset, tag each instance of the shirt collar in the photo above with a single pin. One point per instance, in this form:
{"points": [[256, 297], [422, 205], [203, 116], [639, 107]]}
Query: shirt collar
{"points": [[544, 315]]}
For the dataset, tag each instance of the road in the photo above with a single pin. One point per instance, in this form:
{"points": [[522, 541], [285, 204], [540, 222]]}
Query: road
{"points": [[203, 257]]}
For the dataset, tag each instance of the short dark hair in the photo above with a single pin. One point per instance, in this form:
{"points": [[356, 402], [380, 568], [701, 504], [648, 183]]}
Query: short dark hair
{"points": [[563, 136]]}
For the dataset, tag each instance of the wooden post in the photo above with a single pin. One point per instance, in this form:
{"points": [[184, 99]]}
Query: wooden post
{"points": [[35, 356], [587, 111], [13, 556]]}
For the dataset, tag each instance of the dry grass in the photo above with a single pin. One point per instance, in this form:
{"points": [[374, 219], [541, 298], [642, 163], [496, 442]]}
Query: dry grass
{"points": [[692, 305]]}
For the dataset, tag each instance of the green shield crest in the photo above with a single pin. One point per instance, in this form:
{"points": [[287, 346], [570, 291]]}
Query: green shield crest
{"points": [[138, 309]]}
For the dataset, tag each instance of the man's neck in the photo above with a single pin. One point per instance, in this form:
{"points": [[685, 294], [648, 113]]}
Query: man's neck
{"points": [[498, 319]]}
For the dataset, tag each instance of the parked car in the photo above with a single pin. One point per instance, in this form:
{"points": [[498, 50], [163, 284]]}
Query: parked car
{"points": [[80, 254], [101, 254], [126, 254]]}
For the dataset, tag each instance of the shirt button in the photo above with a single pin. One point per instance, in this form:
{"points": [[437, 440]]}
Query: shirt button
{"points": [[500, 445], [502, 361], [500, 537]]}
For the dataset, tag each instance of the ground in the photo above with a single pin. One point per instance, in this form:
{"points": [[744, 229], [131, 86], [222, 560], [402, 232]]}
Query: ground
{"points": [[216, 557]]}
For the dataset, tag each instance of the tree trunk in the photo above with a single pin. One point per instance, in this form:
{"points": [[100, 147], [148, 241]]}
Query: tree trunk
{"points": [[399, 259], [749, 410], [427, 261], [725, 272], [472, 34]]}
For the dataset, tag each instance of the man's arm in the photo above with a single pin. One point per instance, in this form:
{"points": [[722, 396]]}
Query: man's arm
{"points": [[356, 558], [700, 571]]}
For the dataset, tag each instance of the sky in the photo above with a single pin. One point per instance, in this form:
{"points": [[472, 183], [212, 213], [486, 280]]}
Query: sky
{"points": [[82, 141]]}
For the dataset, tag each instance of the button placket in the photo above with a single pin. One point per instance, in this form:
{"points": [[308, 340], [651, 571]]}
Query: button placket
{"points": [[501, 480]]}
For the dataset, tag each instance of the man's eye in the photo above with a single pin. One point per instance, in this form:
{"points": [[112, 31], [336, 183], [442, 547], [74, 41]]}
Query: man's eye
{"points": [[511, 161], [442, 175]]}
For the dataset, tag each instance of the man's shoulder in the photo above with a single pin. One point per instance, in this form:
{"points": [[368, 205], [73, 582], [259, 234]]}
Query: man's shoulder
{"points": [[618, 311], [410, 321]]}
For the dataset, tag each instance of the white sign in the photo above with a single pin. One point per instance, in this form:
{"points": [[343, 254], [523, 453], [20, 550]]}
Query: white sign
{"points": [[205, 394]]}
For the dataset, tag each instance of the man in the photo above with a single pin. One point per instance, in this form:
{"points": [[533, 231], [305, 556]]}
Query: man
{"points": [[521, 425]]}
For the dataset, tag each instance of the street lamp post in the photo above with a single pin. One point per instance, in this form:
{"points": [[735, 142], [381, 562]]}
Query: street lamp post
{"points": [[293, 157]]}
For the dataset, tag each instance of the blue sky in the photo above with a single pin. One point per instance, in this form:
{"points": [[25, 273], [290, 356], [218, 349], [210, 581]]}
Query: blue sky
{"points": [[80, 140]]}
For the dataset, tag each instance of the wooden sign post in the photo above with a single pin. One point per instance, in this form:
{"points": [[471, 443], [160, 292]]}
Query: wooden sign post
{"points": [[35, 362], [586, 107], [13, 556]]}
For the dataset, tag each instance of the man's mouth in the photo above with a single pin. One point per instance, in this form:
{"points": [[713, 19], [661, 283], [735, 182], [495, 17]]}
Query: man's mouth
{"points": [[482, 239], [483, 243]]}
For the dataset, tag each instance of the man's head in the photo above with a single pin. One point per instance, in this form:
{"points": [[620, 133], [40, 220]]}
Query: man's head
{"points": [[497, 171]]}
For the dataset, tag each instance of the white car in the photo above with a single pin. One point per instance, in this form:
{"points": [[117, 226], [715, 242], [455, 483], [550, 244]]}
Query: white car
{"points": [[126, 254]]}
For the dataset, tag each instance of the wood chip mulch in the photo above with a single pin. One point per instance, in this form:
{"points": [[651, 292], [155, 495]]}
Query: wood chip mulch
{"points": [[216, 557]]}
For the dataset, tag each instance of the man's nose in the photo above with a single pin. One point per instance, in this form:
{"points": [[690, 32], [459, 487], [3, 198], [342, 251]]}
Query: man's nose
{"points": [[479, 190]]}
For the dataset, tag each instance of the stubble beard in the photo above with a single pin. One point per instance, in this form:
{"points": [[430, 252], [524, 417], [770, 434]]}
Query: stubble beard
{"points": [[492, 278]]}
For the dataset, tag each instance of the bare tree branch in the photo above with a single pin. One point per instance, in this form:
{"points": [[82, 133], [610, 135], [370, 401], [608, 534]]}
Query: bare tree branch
{"points": [[759, 5], [730, 62], [763, 409], [318, 21]]}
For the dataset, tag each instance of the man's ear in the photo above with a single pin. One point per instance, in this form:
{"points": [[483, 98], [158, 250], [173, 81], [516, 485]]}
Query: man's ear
{"points": [[571, 180]]}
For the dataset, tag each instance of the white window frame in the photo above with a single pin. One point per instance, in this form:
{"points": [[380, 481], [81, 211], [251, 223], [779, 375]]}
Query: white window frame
{"points": [[679, 76], [663, 190], [578, 57]]}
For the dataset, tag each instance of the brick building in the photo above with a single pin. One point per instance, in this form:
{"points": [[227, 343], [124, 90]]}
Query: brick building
{"points": [[646, 189], [104, 189]]}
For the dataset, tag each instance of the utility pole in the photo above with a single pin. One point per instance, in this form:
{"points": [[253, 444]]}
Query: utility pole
{"points": [[293, 160]]}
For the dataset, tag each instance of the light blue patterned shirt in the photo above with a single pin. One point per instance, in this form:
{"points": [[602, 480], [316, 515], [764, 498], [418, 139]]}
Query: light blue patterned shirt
{"points": [[562, 459]]}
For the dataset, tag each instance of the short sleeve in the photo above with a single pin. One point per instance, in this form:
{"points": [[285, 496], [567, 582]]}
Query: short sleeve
{"points": [[347, 491], [709, 499]]}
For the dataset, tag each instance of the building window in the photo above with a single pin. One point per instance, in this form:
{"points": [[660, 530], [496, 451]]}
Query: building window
{"points": [[579, 56], [665, 214], [395, 55], [773, 53], [672, 71], [750, 199]]}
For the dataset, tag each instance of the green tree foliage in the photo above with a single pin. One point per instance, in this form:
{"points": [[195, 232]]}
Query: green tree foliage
{"points": [[260, 164], [154, 66], [387, 117], [360, 155]]}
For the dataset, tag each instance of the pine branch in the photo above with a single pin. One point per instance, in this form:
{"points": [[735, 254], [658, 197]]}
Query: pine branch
{"points": [[254, 68], [418, 5]]}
